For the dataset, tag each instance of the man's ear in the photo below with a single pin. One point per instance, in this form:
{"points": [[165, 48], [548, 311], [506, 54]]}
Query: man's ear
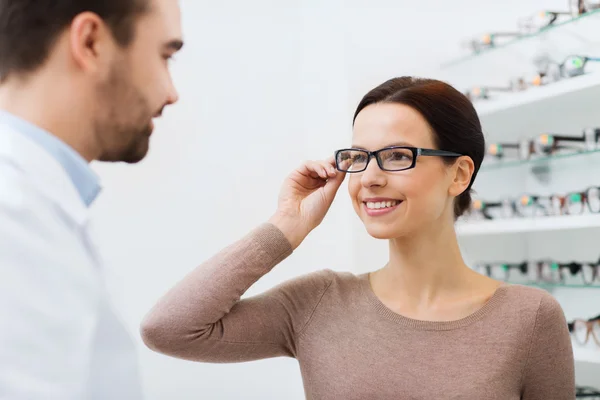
{"points": [[89, 39], [463, 172]]}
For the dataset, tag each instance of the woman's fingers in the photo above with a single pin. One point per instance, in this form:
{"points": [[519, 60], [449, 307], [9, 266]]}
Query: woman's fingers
{"points": [[315, 169]]}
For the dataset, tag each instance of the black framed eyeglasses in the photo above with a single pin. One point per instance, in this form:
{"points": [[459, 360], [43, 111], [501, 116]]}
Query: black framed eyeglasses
{"points": [[394, 158]]}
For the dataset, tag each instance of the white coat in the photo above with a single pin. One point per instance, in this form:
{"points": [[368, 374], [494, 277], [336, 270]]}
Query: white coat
{"points": [[59, 337]]}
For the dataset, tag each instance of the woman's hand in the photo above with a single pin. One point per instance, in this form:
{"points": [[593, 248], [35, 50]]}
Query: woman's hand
{"points": [[305, 198]]}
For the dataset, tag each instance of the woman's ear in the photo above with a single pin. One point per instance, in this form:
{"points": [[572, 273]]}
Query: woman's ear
{"points": [[463, 172]]}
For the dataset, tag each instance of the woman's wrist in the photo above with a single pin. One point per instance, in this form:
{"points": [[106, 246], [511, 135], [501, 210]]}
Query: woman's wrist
{"points": [[292, 228]]}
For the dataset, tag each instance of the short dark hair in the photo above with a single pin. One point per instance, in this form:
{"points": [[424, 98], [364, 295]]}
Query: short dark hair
{"points": [[450, 114], [29, 28]]}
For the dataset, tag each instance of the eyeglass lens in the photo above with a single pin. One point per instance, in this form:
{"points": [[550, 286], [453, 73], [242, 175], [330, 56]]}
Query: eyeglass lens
{"points": [[391, 159], [593, 198]]}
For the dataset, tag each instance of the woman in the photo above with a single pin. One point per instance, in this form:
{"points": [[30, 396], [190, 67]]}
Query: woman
{"points": [[425, 325]]}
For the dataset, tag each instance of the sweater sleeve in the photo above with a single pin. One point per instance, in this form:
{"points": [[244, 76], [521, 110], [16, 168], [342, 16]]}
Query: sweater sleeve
{"points": [[203, 319], [550, 370]]}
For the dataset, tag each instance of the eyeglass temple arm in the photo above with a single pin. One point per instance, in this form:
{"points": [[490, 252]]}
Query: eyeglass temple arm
{"points": [[430, 152], [568, 138], [508, 145]]}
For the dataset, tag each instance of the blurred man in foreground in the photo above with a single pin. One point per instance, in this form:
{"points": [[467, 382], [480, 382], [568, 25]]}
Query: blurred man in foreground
{"points": [[80, 80]]}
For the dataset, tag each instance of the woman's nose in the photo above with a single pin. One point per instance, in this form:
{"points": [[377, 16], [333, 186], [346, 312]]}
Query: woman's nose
{"points": [[373, 175]]}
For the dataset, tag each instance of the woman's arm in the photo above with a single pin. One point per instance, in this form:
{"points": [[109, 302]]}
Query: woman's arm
{"points": [[550, 370], [203, 319]]}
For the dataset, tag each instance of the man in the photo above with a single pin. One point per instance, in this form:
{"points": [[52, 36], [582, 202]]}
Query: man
{"points": [[80, 80]]}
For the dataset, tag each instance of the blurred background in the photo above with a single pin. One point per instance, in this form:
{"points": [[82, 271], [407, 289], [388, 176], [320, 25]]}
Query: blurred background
{"points": [[267, 84]]}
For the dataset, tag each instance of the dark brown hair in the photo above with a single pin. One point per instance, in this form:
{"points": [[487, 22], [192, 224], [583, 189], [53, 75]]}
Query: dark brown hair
{"points": [[29, 28], [450, 114]]}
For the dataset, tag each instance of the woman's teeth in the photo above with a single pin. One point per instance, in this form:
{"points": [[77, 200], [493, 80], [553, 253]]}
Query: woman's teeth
{"points": [[381, 204]]}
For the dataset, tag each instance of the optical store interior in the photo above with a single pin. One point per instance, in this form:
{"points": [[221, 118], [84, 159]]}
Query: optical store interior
{"points": [[265, 85]]}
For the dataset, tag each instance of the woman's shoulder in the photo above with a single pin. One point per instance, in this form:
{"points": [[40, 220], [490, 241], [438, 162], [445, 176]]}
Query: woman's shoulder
{"points": [[326, 282], [529, 302], [525, 294], [330, 277]]}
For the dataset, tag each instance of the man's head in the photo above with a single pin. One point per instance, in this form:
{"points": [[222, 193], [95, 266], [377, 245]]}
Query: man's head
{"points": [[112, 55]]}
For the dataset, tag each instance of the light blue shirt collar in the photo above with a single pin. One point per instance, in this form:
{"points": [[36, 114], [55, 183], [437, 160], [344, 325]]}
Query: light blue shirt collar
{"points": [[83, 177]]}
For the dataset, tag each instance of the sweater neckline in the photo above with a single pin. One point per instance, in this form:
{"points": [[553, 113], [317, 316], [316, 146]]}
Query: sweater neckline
{"points": [[425, 325]]}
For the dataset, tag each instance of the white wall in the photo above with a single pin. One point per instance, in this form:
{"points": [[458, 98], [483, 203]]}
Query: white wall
{"points": [[264, 85], [262, 88]]}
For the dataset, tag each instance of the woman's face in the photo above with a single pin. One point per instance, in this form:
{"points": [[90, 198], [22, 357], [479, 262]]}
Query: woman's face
{"points": [[394, 204]]}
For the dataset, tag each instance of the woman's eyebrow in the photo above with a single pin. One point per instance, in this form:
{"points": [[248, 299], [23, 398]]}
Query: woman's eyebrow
{"points": [[400, 143]]}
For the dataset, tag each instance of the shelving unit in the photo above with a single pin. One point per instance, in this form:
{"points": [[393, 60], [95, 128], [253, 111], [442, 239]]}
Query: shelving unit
{"points": [[549, 108], [558, 285], [565, 107], [574, 36], [528, 225], [589, 353], [491, 164], [542, 97]]}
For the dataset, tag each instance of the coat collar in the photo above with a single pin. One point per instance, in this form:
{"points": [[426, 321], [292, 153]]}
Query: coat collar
{"points": [[43, 171]]}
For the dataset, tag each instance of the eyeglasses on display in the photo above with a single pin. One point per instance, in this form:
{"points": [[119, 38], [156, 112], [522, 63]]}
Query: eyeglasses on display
{"points": [[484, 92], [532, 206], [580, 7], [570, 67], [548, 71], [587, 392], [584, 330], [394, 158], [489, 40], [545, 145], [539, 21], [545, 271]]}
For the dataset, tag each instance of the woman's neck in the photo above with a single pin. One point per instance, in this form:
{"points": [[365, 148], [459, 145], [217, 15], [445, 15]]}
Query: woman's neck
{"points": [[425, 267]]}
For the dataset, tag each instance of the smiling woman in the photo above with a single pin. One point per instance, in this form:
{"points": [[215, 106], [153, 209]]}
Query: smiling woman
{"points": [[424, 325]]}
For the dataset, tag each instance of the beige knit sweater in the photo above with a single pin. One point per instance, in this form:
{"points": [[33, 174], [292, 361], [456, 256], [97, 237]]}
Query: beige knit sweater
{"points": [[349, 345]]}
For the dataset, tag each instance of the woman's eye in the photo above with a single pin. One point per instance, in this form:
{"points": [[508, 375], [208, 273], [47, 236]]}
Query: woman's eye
{"points": [[398, 156]]}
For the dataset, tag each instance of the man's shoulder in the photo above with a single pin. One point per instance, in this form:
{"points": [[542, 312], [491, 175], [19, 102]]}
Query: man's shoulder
{"points": [[24, 208], [16, 190], [35, 234]]}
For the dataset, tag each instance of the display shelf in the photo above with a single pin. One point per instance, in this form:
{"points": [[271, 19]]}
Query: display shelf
{"points": [[526, 225], [539, 98], [566, 106], [557, 285], [588, 353], [556, 32], [515, 59], [500, 164]]}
